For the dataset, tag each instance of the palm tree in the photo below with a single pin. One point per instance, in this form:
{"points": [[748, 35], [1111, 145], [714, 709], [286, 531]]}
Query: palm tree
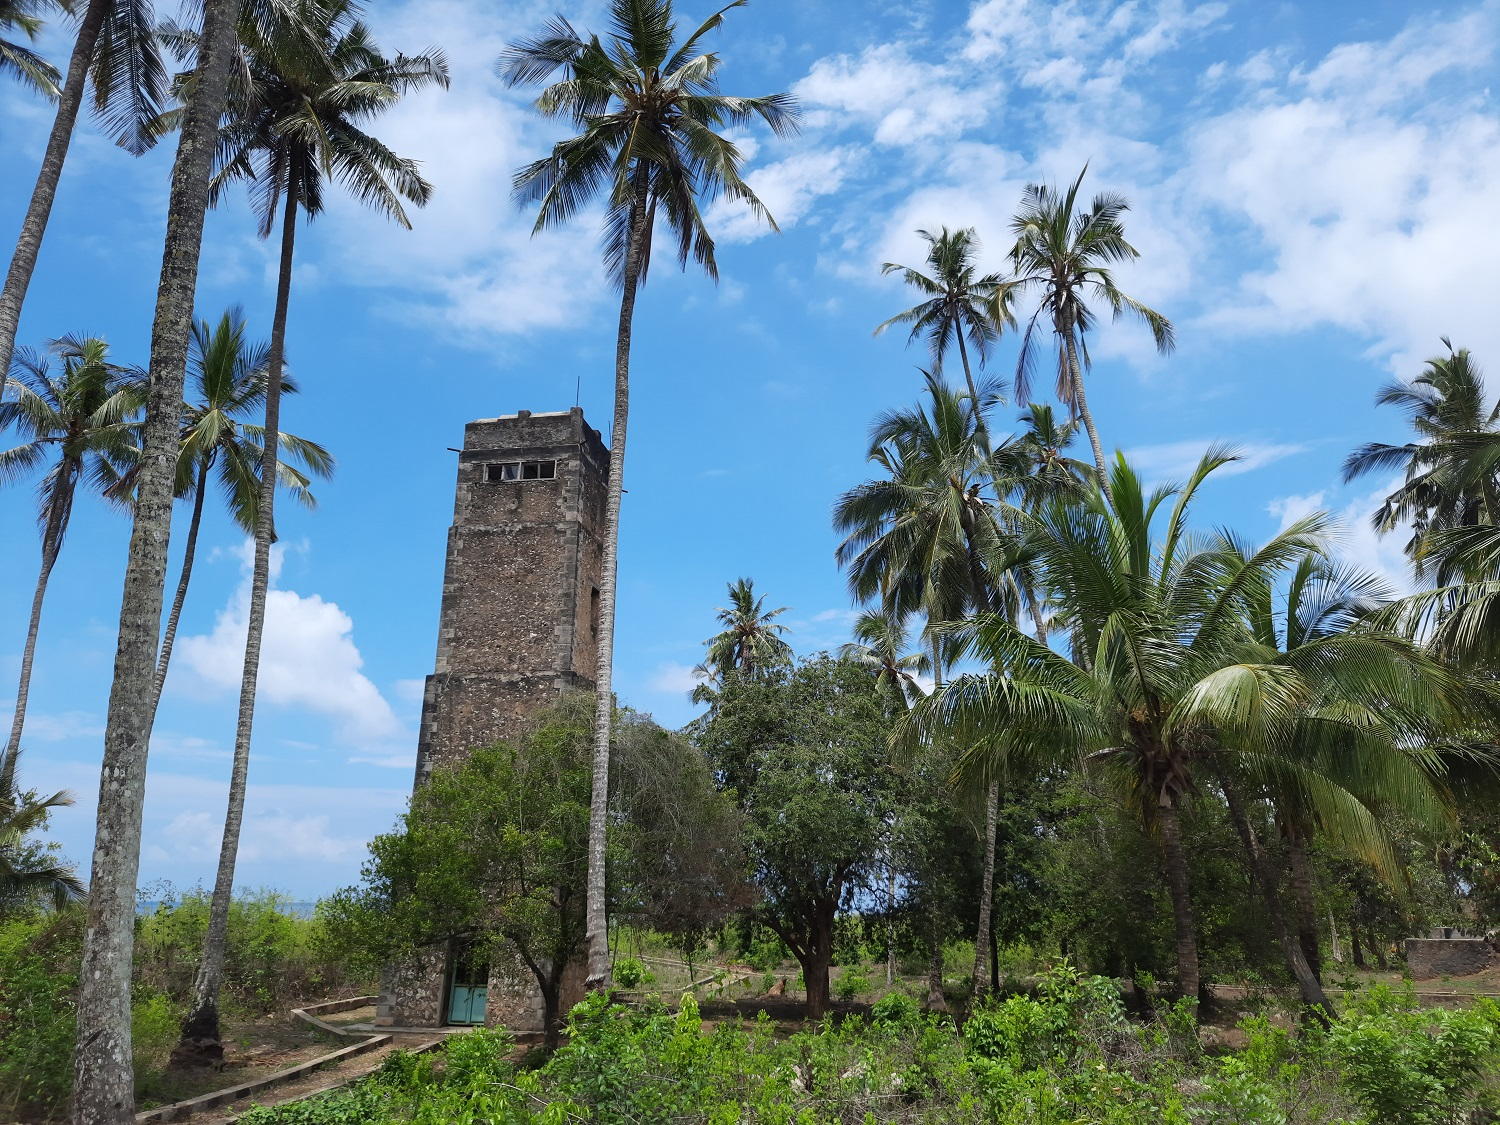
{"points": [[18, 60], [80, 419], [1452, 469], [750, 641], [305, 88], [29, 873], [103, 1085], [1167, 678], [229, 378], [925, 540], [879, 644], [958, 304], [1065, 253], [116, 51], [649, 111]]}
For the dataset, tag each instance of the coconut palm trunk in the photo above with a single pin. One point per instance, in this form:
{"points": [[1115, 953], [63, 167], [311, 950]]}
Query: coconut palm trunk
{"points": [[1264, 878], [57, 518], [596, 912], [200, 1040], [1081, 404], [189, 552], [1174, 860], [984, 936], [103, 1086], [39, 209], [1300, 877]]}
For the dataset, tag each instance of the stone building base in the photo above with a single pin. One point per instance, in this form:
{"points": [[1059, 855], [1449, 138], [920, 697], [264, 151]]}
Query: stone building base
{"points": [[1427, 958], [415, 994]]}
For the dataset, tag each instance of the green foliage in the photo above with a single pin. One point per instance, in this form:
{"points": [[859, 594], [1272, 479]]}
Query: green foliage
{"points": [[273, 958], [1409, 1066], [851, 983], [39, 958], [632, 973], [1066, 1056]]}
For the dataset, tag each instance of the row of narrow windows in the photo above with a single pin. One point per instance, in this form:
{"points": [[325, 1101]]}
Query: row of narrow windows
{"points": [[520, 470]]}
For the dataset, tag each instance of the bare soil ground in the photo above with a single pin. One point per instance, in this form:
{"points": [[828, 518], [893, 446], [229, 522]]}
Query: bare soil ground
{"points": [[253, 1048]]}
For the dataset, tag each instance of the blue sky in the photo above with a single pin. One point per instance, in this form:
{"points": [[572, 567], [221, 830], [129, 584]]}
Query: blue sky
{"points": [[1313, 190]]}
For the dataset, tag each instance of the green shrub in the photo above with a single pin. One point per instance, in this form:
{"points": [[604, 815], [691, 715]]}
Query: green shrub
{"points": [[851, 983], [631, 973]]}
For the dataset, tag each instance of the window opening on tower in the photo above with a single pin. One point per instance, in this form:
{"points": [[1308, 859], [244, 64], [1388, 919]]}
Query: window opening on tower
{"points": [[520, 470]]}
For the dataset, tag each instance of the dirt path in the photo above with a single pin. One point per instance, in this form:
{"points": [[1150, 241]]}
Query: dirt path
{"points": [[326, 1078]]}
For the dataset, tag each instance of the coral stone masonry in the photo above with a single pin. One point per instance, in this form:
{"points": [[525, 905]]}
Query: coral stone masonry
{"points": [[519, 619], [518, 627]]}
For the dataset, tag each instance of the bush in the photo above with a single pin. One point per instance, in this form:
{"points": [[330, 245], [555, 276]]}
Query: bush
{"points": [[851, 982], [632, 974]]}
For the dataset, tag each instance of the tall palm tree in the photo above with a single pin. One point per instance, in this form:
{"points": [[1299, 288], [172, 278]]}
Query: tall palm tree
{"points": [[1064, 254], [1452, 468], [959, 305], [649, 113], [16, 59], [103, 1085], [751, 640], [880, 645], [29, 873], [304, 89], [116, 52], [925, 540], [228, 372], [81, 420], [1167, 677]]}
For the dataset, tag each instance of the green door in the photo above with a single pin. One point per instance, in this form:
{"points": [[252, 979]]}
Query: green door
{"points": [[468, 988]]}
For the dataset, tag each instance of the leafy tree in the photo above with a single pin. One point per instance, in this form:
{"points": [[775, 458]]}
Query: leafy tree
{"points": [[803, 753], [493, 852], [16, 59], [103, 1093], [1064, 253], [116, 52], [228, 373], [650, 112], [1165, 673], [80, 420], [28, 871], [306, 86], [959, 305], [750, 642]]}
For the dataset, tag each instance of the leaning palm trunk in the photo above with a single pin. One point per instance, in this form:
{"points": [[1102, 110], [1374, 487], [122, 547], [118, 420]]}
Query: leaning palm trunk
{"points": [[103, 1086], [1265, 881], [39, 209], [984, 936], [596, 911], [1081, 404], [200, 1042], [1300, 875], [51, 541], [1174, 859], [189, 552]]}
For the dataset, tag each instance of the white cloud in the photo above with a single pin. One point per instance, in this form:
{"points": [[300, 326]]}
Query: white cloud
{"points": [[788, 189], [1355, 539], [1371, 185], [672, 678], [1175, 460], [308, 659], [906, 100]]}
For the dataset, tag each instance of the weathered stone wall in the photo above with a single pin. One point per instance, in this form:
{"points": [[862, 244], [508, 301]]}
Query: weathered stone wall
{"points": [[517, 621], [517, 628], [1427, 958]]}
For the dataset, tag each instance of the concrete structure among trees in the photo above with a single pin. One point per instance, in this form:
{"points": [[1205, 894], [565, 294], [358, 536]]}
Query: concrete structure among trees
{"points": [[517, 628]]}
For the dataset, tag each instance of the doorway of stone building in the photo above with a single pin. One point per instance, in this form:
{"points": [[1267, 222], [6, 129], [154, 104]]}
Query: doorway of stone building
{"points": [[468, 985]]}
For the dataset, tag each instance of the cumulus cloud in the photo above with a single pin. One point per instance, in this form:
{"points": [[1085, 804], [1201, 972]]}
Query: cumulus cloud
{"points": [[788, 189], [906, 100], [1355, 540], [308, 660]]}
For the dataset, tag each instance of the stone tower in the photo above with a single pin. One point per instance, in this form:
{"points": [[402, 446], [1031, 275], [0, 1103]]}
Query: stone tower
{"points": [[520, 614], [518, 626]]}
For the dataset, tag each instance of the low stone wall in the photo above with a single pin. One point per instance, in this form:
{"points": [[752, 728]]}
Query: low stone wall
{"points": [[1427, 958]]}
